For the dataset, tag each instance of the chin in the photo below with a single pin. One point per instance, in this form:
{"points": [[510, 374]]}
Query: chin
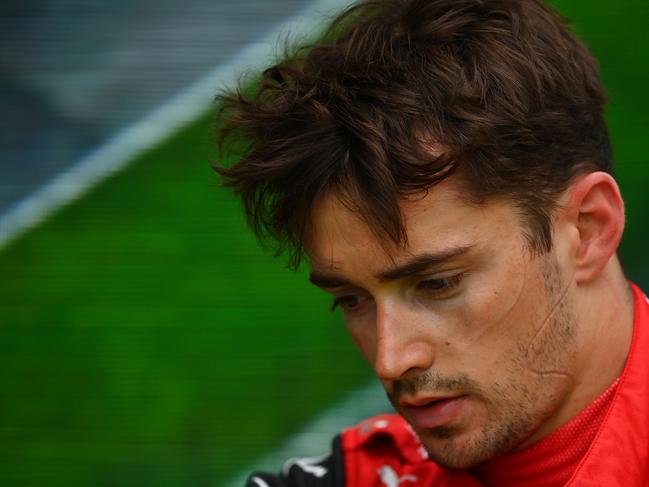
{"points": [[452, 448]]}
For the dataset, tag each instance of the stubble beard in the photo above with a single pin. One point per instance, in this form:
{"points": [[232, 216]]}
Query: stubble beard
{"points": [[518, 407], [507, 424]]}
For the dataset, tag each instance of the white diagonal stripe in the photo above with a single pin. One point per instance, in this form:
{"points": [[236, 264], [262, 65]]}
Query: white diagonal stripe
{"points": [[155, 127]]}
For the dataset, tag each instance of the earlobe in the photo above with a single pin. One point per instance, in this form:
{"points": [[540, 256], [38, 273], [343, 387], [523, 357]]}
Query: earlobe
{"points": [[598, 213]]}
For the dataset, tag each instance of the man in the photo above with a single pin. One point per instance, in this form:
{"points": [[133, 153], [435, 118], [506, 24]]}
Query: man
{"points": [[445, 169]]}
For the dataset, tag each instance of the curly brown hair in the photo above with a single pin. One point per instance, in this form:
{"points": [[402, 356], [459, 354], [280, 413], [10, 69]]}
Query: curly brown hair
{"points": [[400, 94]]}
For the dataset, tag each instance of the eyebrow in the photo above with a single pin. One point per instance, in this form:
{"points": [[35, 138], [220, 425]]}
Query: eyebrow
{"points": [[413, 265]]}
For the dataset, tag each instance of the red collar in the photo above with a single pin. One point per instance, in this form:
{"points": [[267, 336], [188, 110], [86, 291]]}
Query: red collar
{"points": [[619, 456]]}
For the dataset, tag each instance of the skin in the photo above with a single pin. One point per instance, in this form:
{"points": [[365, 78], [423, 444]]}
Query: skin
{"points": [[465, 309]]}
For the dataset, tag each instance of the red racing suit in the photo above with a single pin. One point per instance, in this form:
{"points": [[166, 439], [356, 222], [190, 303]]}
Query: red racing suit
{"points": [[384, 451]]}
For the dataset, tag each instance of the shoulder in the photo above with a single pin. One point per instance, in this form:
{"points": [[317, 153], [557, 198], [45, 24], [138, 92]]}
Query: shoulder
{"points": [[384, 450], [380, 451], [389, 430]]}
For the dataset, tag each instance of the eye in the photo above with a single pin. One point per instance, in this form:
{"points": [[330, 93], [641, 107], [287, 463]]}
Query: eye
{"points": [[440, 285], [349, 302]]}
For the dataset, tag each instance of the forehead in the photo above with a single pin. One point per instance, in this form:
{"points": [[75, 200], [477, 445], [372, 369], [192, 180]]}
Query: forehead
{"points": [[437, 221]]}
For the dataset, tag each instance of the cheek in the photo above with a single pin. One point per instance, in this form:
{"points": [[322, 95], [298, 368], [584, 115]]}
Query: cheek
{"points": [[496, 306]]}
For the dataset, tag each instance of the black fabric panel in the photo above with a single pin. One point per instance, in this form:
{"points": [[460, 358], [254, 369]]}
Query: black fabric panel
{"points": [[306, 475]]}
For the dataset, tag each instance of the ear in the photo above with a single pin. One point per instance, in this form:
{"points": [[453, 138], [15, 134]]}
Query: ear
{"points": [[596, 209]]}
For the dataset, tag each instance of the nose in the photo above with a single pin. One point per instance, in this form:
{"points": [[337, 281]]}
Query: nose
{"points": [[404, 342]]}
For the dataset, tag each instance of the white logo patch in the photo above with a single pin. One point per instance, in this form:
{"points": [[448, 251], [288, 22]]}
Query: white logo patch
{"points": [[389, 477]]}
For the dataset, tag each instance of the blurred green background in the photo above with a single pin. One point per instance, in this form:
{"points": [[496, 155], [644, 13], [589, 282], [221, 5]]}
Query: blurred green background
{"points": [[146, 339]]}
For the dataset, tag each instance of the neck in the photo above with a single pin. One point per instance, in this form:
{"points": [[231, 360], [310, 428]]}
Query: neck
{"points": [[603, 312]]}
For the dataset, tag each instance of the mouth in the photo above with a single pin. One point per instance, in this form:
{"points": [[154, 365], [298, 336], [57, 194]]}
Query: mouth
{"points": [[432, 413]]}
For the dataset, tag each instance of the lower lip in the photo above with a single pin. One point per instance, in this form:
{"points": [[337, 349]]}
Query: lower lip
{"points": [[434, 415]]}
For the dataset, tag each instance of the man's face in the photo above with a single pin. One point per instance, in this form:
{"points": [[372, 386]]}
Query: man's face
{"points": [[472, 336]]}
